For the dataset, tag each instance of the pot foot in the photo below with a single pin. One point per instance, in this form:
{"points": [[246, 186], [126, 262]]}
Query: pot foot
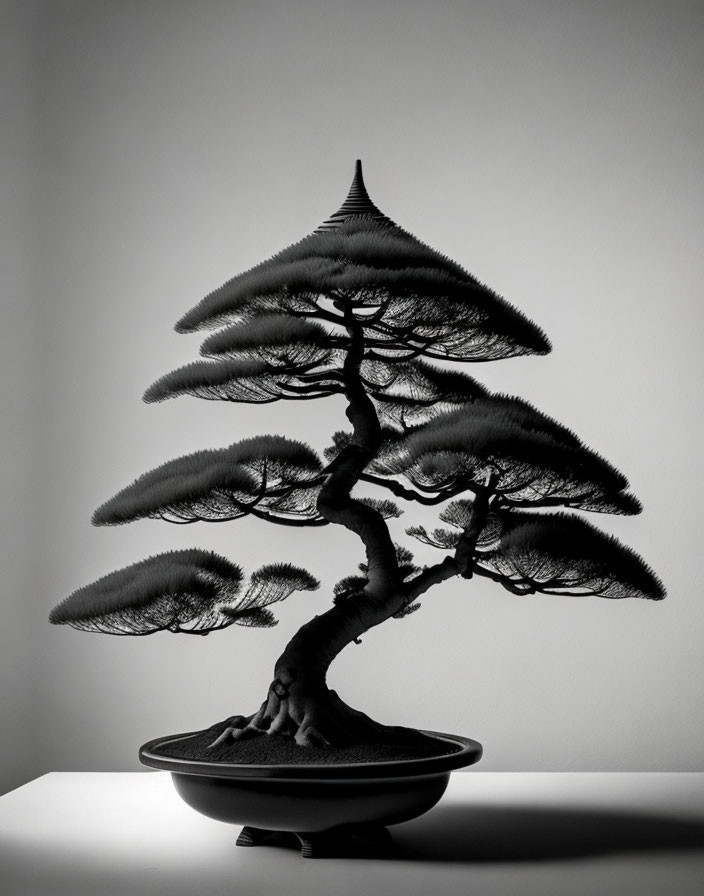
{"points": [[354, 840], [250, 836]]}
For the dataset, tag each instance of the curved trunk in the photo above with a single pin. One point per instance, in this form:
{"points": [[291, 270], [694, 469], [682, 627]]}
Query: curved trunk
{"points": [[299, 702], [315, 645], [305, 661], [301, 670]]}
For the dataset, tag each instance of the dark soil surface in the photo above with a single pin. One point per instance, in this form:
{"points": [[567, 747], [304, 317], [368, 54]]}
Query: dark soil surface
{"points": [[279, 750]]}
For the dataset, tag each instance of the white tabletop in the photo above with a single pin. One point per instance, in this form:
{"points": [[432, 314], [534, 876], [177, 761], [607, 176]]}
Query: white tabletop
{"points": [[492, 833]]}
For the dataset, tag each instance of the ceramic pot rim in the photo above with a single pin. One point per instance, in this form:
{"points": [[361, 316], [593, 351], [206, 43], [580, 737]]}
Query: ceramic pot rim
{"points": [[470, 752]]}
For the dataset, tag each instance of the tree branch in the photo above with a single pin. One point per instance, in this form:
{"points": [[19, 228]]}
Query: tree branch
{"points": [[502, 580], [431, 575], [466, 546], [462, 563], [402, 492]]}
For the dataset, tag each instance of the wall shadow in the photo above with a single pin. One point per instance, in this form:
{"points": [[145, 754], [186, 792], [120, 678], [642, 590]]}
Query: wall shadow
{"points": [[538, 834]]}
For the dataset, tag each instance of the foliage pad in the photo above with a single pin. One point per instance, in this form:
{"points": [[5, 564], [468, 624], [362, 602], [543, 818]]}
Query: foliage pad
{"points": [[528, 458], [266, 475], [409, 298], [179, 591], [562, 554], [190, 591]]}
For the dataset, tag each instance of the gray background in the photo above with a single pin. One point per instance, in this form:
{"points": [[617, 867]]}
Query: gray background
{"points": [[154, 149]]}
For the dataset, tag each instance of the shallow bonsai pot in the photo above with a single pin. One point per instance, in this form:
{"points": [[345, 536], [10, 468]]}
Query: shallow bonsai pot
{"points": [[326, 806]]}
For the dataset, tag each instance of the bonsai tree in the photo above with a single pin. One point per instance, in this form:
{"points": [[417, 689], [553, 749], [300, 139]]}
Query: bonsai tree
{"points": [[363, 310]]}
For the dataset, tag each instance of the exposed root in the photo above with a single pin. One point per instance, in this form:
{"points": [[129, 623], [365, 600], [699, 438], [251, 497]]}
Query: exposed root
{"points": [[320, 720]]}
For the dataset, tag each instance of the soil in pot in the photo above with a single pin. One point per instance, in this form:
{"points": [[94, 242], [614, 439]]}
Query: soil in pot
{"points": [[406, 743]]}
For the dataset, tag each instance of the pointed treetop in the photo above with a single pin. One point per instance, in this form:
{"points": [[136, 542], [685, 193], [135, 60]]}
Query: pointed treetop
{"points": [[427, 304], [357, 203]]}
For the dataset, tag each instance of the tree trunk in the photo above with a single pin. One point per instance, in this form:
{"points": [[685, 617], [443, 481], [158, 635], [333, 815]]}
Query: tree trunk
{"points": [[299, 703]]}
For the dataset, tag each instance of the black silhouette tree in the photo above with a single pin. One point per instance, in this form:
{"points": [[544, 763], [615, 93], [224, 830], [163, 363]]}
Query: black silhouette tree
{"points": [[362, 309]]}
